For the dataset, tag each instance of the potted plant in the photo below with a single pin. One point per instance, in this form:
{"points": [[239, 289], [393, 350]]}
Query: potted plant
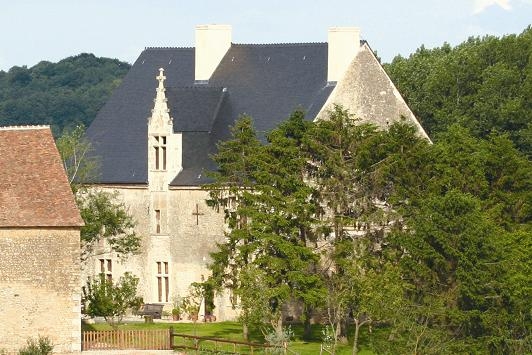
{"points": [[176, 314], [177, 307]]}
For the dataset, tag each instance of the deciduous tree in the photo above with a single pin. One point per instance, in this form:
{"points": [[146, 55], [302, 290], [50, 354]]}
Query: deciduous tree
{"points": [[103, 298], [106, 218]]}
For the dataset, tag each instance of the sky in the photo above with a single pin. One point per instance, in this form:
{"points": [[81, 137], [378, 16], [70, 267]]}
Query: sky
{"points": [[35, 30]]}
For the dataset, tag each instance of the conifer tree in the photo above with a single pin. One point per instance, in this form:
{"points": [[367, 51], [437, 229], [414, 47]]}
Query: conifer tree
{"points": [[271, 217]]}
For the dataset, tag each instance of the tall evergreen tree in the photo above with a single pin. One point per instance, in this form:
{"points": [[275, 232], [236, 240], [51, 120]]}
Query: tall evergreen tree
{"points": [[278, 208]]}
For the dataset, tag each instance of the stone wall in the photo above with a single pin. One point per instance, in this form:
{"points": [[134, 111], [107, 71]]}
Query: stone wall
{"points": [[185, 241], [369, 94], [39, 287]]}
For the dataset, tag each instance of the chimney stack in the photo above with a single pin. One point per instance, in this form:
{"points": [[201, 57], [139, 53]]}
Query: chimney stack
{"points": [[344, 43], [212, 42]]}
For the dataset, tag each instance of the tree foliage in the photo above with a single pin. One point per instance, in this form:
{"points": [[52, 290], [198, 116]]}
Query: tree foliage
{"points": [[106, 219], [75, 150], [379, 228], [63, 94], [483, 84], [269, 210], [466, 218], [103, 298]]}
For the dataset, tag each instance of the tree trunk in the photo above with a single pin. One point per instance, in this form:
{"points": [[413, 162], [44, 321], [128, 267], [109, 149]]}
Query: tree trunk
{"points": [[278, 325], [355, 340], [307, 328], [245, 331], [343, 331]]}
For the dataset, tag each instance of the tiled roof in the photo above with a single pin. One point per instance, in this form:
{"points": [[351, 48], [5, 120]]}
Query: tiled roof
{"points": [[199, 102], [267, 82], [34, 190], [119, 132]]}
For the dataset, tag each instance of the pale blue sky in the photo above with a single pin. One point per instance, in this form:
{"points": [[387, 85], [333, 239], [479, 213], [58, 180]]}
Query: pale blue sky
{"points": [[35, 30]]}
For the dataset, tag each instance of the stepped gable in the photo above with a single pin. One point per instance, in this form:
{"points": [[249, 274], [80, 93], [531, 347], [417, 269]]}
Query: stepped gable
{"points": [[34, 189]]}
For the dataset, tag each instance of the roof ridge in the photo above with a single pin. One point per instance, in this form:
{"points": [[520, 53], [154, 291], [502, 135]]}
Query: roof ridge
{"points": [[169, 47], [197, 87], [285, 44], [23, 127]]}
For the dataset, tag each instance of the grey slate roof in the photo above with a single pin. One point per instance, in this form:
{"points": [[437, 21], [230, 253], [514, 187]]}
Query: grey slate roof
{"points": [[268, 82], [194, 108]]}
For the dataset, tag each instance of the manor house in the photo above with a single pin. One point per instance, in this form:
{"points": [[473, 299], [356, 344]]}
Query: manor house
{"points": [[155, 135]]}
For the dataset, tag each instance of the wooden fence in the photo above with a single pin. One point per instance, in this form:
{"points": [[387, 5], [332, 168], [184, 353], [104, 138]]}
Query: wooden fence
{"points": [[146, 339], [167, 339], [215, 345]]}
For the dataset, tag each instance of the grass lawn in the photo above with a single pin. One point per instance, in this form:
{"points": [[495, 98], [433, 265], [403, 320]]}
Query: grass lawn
{"points": [[233, 331]]}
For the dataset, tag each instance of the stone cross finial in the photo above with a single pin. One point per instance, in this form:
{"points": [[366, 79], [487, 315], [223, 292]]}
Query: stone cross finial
{"points": [[160, 113], [161, 78]]}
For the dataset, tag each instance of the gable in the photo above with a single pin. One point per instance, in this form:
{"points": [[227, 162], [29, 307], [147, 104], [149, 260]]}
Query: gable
{"points": [[369, 94]]}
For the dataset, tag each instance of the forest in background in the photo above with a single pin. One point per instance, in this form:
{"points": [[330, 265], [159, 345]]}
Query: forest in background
{"points": [[62, 95], [483, 84]]}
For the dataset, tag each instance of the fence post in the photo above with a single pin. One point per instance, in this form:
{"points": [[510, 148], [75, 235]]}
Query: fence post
{"points": [[171, 334]]}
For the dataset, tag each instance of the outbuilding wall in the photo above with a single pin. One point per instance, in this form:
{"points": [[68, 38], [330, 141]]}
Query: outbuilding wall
{"points": [[39, 287]]}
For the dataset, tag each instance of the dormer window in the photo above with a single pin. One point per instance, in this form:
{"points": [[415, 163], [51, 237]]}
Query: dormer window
{"points": [[159, 149]]}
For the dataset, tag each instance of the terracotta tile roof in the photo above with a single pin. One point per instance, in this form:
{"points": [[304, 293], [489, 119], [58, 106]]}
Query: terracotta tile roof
{"points": [[34, 190]]}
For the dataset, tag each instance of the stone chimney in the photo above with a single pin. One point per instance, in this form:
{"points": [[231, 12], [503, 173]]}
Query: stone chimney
{"points": [[344, 43], [212, 42]]}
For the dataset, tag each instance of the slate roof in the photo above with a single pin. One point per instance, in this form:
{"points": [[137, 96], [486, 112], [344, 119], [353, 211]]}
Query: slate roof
{"points": [[194, 108], [34, 190], [267, 82]]}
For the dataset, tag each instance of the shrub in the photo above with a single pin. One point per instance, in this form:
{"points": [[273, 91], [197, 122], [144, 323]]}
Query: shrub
{"points": [[40, 346]]}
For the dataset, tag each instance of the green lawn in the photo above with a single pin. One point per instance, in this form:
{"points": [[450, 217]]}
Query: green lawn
{"points": [[233, 331]]}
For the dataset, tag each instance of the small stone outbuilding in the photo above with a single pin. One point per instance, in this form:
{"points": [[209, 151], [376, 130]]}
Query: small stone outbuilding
{"points": [[39, 243]]}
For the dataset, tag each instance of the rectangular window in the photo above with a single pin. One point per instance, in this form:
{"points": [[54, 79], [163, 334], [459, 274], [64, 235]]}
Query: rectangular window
{"points": [[159, 148], [160, 288], [163, 281], [166, 288], [157, 221], [106, 269]]}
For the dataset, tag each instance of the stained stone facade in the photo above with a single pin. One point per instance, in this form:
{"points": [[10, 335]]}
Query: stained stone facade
{"points": [[39, 241], [156, 133]]}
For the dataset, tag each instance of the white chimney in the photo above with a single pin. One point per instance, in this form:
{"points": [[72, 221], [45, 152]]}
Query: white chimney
{"points": [[344, 43], [212, 42]]}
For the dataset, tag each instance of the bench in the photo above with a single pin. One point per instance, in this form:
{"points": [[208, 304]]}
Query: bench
{"points": [[151, 310]]}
